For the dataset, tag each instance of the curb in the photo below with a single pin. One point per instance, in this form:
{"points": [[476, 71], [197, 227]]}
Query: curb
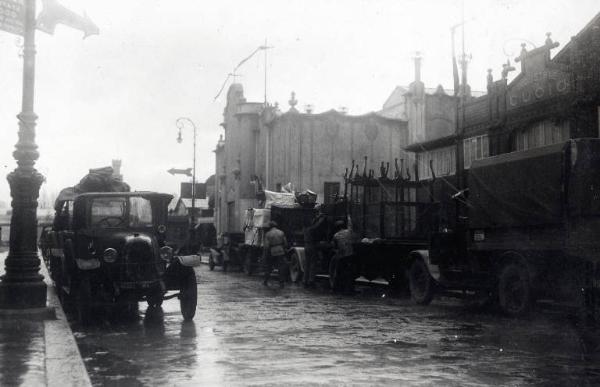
{"points": [[64, 365]]}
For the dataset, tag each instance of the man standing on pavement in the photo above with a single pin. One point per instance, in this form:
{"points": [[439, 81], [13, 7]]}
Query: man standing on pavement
{"points": [[313, 234], [274, 253]]}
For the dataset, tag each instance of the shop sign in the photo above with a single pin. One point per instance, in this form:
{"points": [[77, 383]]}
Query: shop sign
{"points": [[540, 86], [12, 16]]}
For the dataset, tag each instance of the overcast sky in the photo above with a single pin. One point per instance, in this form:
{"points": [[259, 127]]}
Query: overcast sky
{"points": [[118, 94]]}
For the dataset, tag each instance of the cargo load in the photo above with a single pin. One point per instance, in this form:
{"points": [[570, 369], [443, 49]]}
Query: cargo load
{"points": [[517, 189]]}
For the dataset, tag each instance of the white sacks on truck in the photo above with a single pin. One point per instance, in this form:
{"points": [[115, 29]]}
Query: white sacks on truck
{"points": [[257, 219], [281, 199]]}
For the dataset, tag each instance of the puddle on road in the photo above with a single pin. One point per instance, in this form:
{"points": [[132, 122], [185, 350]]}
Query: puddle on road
{"points": [[244, 334]]}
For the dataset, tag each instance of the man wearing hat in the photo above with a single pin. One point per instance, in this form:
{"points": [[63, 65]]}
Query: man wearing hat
{"points": [[275, 248]]}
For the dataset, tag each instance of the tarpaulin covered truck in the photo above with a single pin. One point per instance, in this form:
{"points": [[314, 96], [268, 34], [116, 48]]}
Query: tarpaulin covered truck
{"points": [[532, 231], [292, 213]]}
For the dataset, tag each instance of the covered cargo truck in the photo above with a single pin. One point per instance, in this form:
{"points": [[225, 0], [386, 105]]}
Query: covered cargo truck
{"points": [[531, 232]]}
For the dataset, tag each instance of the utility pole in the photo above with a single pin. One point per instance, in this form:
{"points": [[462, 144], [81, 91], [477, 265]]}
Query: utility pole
{"points": [[265, 50], [180, 123]]}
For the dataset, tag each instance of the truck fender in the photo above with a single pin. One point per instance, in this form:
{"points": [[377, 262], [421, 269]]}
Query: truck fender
{"points": [[189, 260], [87, 264], [434, 270], [301, 256], [82, 264]]}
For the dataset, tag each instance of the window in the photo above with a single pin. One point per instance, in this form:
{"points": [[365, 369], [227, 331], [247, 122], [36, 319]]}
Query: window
{"points": [[476, 148], [108, 212], [120, 212], [444, 162], [541, 134], [331, 190], [140, 212]]}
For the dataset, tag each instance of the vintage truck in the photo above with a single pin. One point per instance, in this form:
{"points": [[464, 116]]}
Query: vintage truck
{"points": [[387, 223], [108, 249], [528, 230]]}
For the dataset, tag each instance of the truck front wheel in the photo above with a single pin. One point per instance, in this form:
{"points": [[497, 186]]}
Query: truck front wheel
{"points": [[188, 296], [514, 290], [420, 283]]}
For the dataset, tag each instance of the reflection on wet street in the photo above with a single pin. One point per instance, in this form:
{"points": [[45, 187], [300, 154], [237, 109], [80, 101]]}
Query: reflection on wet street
{"points": [[246, 334], [21, 352]]}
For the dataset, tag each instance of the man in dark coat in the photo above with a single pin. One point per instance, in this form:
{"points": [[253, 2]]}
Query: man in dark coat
{"points": [[313, 235]]}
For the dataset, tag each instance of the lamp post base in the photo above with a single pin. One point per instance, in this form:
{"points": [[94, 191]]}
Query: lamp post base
{"points": [[22, 295]]}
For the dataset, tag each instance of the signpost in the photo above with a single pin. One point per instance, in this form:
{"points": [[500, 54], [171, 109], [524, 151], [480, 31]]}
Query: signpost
{"points": [[22, 286], [175, 171], [197, 192]]}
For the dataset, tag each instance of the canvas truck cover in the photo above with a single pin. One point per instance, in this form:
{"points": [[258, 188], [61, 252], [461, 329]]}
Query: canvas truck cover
{"points": [[101, 180], [583, 188], [518, 189]]}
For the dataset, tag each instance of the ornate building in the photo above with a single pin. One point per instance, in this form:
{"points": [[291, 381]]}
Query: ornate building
{"points": [[309, 151]]}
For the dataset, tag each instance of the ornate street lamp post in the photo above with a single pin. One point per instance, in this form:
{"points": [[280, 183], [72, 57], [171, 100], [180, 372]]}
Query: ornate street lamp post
{"points": [[22, 285], [180, 123]]}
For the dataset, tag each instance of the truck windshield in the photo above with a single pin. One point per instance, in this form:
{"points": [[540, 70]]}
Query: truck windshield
{"points": [[121, 212]]}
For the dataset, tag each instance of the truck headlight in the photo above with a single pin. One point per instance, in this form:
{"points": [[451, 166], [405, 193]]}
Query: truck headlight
{"points": [[166, 253], [110, 255]]}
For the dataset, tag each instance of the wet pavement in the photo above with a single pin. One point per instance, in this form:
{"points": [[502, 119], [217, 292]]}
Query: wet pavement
{"points": [[245, 334], [37, 347]]}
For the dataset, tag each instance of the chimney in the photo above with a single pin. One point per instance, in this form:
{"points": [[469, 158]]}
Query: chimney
{"points": [[418, 67], [116, 166]]}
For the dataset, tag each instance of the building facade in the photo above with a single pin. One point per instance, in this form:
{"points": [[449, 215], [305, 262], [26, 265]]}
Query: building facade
{"points": [[551, 100], [294, 149]]}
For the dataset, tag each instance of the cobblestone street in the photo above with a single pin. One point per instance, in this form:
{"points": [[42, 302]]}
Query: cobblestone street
{"points": [[245, 334]]}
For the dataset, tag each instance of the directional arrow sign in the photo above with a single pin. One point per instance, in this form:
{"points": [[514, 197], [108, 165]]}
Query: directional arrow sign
{"points": [[174, 171]]}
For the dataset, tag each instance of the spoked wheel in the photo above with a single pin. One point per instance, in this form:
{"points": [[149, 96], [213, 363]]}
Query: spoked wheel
{"points": [[188, 298], [514, 290], [420, 283], [248, 269], [211, 262], [295, 268], [84, 301]]}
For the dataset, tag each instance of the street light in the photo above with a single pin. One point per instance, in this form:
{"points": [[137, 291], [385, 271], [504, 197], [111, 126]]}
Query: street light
{"points": [[22, 285], [180, 123]]}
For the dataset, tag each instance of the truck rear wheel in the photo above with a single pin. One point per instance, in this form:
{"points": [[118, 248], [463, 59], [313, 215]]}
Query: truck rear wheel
{"points": [[295, 268], [248, 269], [420, 283], [84, 300], [514, 290], [211, 262]]}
